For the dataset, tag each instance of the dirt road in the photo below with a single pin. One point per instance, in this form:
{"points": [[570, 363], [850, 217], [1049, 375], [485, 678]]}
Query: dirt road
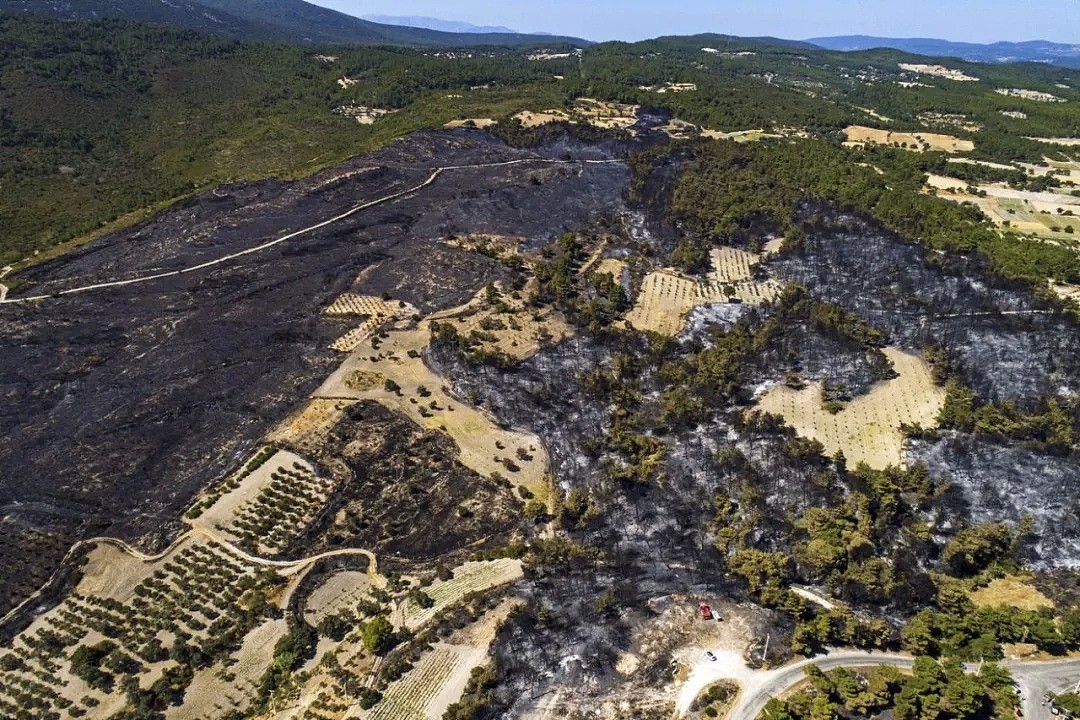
{"points": [[290, 236]]}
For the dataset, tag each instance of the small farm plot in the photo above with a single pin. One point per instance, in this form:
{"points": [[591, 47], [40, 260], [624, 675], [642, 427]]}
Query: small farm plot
{"points": [[282, 508], [267, 503], [867, 429], [468, 578], [377, 311], [662, 303], [230, 687], [341, 591], [605, 114], [732, 265], [410, 697], [666, 297], [858, 135]]}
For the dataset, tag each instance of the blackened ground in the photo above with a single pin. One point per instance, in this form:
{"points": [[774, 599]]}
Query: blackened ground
{"points": [[1002, 341], [120, 404], [996, 483], [405, 494]]}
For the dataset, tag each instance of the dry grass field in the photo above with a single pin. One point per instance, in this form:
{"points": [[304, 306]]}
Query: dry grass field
{"points": [[1038, 213], [1034, 95], [471, 123], [858, 135], [1066, 291], [605, 114], [529, 118], [1011, 591], [340, 592], [868, 428]]}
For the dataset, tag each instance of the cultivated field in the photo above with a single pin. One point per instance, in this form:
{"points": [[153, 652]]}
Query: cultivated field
{"points": [[1034, 95], [123, 618], [266, 508], [376, 311], [605, 114], [342, 591], [858, 135], [1046, 214], [529, 118], [667, 296], [469, 578], [868, 428]]}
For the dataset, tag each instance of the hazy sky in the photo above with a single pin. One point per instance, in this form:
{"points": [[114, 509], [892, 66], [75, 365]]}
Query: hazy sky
{"points": [[967, 20]]}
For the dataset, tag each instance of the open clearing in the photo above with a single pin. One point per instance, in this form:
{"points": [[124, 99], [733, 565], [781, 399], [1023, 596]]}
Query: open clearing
{"points": [[667, 296], [471, 123], [1057, 141], [529, 118], [858, 135], [1066, 291], [1011, 591], [868, 428], [605, 114]]}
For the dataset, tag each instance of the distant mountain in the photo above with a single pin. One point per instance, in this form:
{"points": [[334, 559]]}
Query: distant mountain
{"points": [[278, 20], [999, 52], [453, 26]]}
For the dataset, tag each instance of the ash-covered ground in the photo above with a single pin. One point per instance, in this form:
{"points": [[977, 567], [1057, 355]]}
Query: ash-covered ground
{"points": [[121, 403]]}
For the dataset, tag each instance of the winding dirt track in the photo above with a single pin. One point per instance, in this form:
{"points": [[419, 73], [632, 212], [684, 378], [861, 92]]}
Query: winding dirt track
{"points": [[287, 567], [285, 238]]}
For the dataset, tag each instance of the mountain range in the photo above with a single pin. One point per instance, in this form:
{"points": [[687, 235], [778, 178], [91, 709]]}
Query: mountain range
{"points": [[277, 20], [999, 52], [430, 23]]}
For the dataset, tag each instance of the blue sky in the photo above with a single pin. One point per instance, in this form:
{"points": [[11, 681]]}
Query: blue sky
{"points": [[966, 20]]}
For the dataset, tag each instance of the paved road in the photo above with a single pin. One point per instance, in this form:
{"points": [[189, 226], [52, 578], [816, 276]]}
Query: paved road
{"points": [[1038, 678], [1034, 677], [284, 238]]}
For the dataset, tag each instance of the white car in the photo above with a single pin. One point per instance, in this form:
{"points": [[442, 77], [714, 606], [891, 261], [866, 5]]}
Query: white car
{"points": [[709, 654]]}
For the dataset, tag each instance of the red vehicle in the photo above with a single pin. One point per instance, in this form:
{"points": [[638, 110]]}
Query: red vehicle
{"points": [[706, 611]]}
